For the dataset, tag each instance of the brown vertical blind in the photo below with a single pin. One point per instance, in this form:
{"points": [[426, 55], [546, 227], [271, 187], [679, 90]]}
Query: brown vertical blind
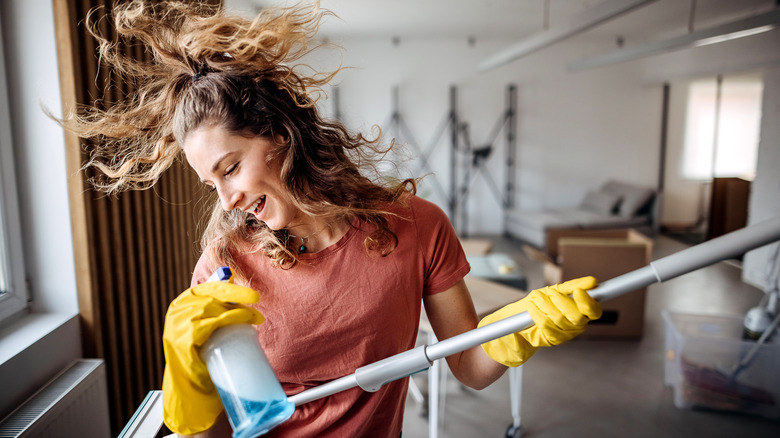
{"points": [[134, 252]]}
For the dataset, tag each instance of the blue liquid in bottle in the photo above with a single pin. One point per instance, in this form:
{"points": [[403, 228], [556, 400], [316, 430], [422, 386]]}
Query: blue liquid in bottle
{"points": [[254, 400], [258, 416]]}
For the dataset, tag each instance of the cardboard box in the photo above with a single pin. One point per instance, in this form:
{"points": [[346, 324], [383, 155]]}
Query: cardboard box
{"points": [[604, 254], [555, 234]]}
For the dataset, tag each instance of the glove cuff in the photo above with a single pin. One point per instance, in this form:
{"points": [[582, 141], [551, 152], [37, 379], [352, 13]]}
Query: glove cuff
{"points": [[511, 350]]}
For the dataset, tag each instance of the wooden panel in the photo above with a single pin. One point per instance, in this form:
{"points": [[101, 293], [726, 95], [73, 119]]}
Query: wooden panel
{"points": [[134, 252]]}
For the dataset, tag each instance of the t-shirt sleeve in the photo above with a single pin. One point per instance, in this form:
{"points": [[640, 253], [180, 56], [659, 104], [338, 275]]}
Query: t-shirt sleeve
{"points": [[445, 261]]}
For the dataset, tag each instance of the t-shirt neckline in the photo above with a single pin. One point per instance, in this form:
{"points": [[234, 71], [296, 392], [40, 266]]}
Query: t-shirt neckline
{"points": [[353, 229]]}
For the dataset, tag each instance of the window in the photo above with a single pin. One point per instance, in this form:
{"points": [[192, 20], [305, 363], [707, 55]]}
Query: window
{"points": [[722, 128], [13, 297]]}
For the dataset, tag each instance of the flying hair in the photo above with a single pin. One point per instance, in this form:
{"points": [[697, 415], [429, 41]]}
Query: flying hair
{"points": [[205, 67], [186, 41]]}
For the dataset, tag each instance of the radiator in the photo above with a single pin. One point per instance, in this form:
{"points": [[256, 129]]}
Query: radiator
{"points": [[72, 404]]}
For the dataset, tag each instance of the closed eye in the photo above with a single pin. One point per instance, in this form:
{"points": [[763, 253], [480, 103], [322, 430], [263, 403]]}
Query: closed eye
{"points": [[231, 169]]}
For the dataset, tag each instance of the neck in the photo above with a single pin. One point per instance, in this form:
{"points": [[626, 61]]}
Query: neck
{"points": [[316, 235]]}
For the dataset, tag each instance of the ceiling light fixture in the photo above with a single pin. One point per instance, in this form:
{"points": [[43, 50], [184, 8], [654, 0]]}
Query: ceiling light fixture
{"points": [[590, 18], [718, 34]]}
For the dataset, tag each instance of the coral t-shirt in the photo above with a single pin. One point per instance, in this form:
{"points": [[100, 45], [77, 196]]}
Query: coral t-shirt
{"points": [[342, 308]]}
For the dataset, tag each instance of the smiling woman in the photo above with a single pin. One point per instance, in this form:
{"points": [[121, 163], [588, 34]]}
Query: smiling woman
{"points": [[342, 259], [240, 170], [241, 75]]}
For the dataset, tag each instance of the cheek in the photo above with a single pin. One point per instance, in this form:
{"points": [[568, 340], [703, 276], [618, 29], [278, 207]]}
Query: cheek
{"points": [[273, 172]]}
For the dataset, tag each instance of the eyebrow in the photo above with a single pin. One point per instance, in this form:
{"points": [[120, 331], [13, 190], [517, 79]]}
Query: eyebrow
{"points": [[218, 163]]}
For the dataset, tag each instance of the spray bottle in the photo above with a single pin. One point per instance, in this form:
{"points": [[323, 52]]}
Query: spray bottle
{"points": [[252, 396]]}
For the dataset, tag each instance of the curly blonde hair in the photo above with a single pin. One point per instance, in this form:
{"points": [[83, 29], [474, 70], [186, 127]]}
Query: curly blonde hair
{"points": [[211, 68]]}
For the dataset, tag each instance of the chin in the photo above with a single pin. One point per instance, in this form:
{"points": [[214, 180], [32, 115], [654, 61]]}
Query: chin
{"points": [[273, 225]]}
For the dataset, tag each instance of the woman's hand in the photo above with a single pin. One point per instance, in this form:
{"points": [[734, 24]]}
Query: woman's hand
{"points": [[190, 400], [557, 317]]}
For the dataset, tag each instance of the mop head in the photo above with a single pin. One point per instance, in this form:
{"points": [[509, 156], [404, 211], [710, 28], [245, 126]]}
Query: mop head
{"points": [[707, 387]]}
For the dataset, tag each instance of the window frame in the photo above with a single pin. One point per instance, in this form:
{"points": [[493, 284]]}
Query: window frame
{"points": [[13, 300]]}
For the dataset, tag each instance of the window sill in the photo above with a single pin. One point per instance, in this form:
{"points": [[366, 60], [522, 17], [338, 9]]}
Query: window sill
{"points": [[32, 351], [29, 329]]}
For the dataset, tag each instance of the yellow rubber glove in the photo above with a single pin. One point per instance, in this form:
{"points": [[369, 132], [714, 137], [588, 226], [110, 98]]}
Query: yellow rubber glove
{"points": [[557, 318], [190, 400]]}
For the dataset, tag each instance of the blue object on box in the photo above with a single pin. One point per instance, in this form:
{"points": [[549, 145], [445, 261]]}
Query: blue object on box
{"points": [[497, 267]]}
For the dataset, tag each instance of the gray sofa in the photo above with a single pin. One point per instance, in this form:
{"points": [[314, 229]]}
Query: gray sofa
{"points": [[616, 204]]}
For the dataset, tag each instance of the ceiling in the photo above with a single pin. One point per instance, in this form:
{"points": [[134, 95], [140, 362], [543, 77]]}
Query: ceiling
{"points": [[513, 19]]}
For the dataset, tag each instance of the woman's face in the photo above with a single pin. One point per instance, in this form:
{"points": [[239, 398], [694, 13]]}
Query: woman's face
{"points": [[238, 169]]}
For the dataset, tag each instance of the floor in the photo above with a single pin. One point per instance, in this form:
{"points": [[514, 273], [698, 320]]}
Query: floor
{"points": [[600, 388]]}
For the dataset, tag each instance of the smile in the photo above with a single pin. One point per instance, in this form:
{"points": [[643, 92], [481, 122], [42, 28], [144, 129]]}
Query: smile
{"points": [[257, 207]]}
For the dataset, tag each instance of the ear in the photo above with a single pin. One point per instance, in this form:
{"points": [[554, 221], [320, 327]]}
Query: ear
{"points": [[281, 139]]}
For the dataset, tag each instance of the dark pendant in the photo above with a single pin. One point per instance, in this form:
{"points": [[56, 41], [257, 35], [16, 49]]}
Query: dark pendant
{"points": [[302, 249]]}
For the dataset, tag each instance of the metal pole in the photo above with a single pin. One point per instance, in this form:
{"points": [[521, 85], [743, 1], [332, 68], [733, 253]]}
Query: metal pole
{"points": [[688, 260], [454, 126], [511, 154], [464, 188]]}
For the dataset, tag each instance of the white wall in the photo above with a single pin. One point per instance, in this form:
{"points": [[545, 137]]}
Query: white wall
{"points": [[574, 130]]}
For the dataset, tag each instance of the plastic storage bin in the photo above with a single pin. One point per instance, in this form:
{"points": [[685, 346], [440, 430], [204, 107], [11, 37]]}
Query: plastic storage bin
{"points": [[702, 352]]}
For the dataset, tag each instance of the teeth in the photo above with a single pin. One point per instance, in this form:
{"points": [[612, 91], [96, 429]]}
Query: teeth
{"points": [[257, 204]]}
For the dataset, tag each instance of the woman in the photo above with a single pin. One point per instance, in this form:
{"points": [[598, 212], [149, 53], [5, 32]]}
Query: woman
{"points": [[342, 262]]}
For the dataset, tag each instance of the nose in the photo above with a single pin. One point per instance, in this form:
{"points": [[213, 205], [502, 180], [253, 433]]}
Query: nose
{"points": [[228, 197]]}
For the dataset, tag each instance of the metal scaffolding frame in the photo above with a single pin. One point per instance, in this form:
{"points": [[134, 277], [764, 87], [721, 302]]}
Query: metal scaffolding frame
{"points": [[466, 161], [475, 159], [399, 129]]}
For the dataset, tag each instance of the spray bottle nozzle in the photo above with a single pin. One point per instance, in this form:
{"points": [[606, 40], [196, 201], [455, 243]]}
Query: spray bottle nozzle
{"points": [[223, 273]]}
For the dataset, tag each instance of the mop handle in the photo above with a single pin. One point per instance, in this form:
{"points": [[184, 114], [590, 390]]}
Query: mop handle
{"points": [[371, 377]]}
